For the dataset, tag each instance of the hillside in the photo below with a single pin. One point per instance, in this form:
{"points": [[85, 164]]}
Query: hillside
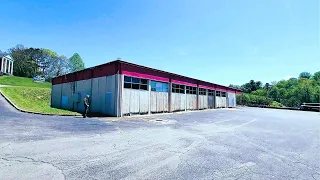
{"points": [[29, 95]]}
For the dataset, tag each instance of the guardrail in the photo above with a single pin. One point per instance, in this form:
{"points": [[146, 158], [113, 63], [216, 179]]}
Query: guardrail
{"points": [[310, 106]]}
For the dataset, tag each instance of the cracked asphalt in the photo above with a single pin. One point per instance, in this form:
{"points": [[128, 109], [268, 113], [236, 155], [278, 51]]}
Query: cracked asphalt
{"points": [[243, 143]]}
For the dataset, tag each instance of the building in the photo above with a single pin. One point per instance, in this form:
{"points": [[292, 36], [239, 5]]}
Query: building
{"points": [[120, 88], [6, 64]]}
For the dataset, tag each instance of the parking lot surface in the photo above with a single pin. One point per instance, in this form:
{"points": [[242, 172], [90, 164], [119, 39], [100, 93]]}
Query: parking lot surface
{"points": [[243, 143]]}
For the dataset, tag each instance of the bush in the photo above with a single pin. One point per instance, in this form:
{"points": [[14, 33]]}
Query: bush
{"points": [[276, 104]]}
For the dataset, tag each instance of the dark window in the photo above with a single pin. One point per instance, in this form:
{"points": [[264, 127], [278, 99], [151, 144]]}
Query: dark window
{"points": [[136, 80], [210, 92], [202, 91], [223, 94], [127, 85], [135, 83], [177, 88], [191, 90], [218, 93], [127, 79]]}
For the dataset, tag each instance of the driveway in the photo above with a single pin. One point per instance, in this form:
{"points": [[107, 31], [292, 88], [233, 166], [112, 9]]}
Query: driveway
{"points": [[244, 143]]}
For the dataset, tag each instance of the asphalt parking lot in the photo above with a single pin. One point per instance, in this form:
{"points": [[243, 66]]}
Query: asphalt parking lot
{"points": [[244, 143]]}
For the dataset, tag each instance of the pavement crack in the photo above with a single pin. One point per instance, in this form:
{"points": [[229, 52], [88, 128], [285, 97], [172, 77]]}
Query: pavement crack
{"points": [[10, 159]]}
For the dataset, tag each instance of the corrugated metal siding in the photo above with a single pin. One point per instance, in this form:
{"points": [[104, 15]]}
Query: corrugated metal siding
{"points": [[211, 102], [191, 101], [144, 101], [218, 101], [135, 101], [67, 96], [101, 99], [83, 88], [178, 101], [223, 102], [126, 101], [95, 98], [110, 95], [159, 101], [203, 102], [231, 100], [56, 96]]}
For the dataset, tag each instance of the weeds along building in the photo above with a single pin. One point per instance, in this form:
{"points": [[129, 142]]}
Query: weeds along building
{"points": [[120, 88]]}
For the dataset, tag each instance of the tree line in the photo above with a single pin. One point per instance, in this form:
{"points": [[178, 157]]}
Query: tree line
{"points": [[290, 93], [30, 62]]}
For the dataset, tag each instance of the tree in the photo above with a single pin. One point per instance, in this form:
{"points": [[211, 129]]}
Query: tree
{"points": [[24, 64], [76, 62], [305, 75], [316, 76]]}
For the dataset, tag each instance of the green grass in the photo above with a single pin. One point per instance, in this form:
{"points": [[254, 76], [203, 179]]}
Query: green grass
{"points": [[35, 99], [22, 81]]}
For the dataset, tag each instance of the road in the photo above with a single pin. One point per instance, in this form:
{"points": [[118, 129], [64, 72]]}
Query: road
{"points": [[244, 143]]}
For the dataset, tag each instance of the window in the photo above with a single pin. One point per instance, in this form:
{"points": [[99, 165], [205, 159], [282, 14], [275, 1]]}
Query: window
{"points": [[191, 90], [218, 93], [210, 92], [176, 88], [159, 86], [202, 91], [135, 83], [223, 94]]}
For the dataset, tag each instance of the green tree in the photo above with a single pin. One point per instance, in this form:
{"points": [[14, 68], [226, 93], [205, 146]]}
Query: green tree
{"points": [[76, 62], [24, 63], [305, 75], [316, 76]]}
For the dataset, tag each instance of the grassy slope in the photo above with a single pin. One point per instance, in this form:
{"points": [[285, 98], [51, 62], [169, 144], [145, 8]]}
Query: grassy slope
{"points": [[21, 81], [29, 95]]}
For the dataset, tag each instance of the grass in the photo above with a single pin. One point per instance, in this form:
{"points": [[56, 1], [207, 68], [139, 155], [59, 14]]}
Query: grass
{"points": [[35, 99], [22, 81]]}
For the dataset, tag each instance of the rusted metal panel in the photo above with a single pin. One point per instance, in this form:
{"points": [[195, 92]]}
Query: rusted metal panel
{"points": [[56, 96], [143, 101]]}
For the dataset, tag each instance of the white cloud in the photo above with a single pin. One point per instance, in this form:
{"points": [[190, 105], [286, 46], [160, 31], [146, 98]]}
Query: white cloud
{"points": [[288, 77]]}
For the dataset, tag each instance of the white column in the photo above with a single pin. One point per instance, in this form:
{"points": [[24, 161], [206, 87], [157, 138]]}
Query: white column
{"points": [[11, 68], [5, 65], [9, 64]]}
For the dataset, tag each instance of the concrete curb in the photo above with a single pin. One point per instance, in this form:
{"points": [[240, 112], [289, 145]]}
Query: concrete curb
{"points": [[30, 112]]}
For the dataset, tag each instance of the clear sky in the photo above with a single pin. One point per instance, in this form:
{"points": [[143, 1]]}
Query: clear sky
{"points": [[222, 41]]}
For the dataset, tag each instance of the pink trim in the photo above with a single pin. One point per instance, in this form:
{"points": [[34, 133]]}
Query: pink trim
{"points": [[183, 83], [206, 87], [221, 89], [238, 92], [231, 91], [145, 76]]}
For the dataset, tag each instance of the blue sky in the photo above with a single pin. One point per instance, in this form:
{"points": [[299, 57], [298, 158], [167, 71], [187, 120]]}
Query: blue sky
{"points": [[226, 42]]}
